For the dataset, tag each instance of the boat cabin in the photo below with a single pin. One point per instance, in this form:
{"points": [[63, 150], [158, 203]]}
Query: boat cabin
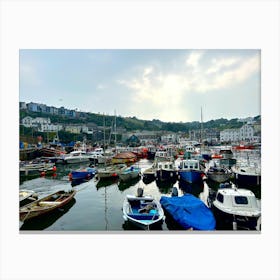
{"points": [[166, 165], [233, 200], [191, 164]]}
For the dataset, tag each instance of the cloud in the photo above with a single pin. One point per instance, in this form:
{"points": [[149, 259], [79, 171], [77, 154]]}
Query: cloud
{"points": [[101, 87], [194, 58], [166, 92]]}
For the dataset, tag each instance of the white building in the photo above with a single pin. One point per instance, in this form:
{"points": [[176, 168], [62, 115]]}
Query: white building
{"points": [[169, 138], [229, 135], [50, 127], [35, 122], [245, 133]]}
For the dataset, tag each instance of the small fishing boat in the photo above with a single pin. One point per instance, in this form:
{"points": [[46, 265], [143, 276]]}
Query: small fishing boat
{"points": [[166, 171], [236, 208], [26, 196], [189, 212], [82, 174], [130, 173], [216, 172], [126, 157], [190, 171], [111, 171], [143, 211], [75, 157], [247, 175], [149, 174], [35, 167], [45, 205]]}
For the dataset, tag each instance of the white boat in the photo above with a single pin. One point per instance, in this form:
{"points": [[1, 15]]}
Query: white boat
{"points": [[236, 207], [130, 173], [76, 157], [143, 211]]}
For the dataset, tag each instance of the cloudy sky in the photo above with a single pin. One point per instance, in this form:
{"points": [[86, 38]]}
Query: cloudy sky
{"points": [[170, 85]]}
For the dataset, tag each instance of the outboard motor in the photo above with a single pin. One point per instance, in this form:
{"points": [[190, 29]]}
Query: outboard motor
{"points": [[139, 192], [174, 191]]}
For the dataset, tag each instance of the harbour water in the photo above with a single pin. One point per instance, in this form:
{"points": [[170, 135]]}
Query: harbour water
{"points": [[97, 205]]}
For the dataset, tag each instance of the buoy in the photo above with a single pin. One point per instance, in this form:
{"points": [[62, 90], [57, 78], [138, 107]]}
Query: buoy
{"points": [[54, 168], [70, 176], [43, 173], [114, 174]]}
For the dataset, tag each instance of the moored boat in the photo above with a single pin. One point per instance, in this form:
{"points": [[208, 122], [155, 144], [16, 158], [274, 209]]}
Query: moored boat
{"points": [[75, 157], [130, 173], [247, 175], [236, 208], [166, 171], [190, 171], [111, 171], [26, 196], [126, 157], [189, 212], [143, 211], [82, 174], [45, 205]]}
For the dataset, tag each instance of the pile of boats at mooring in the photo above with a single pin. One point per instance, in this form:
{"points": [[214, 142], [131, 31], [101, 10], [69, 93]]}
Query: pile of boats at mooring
{"points": [[228, 208]]}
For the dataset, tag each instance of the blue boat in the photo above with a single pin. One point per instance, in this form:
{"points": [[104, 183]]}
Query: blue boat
{"points": [[190, 171], [82, 174], [189, 212]]}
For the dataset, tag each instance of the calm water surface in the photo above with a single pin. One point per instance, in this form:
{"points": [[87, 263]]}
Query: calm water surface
{"points": [[98, 204]]}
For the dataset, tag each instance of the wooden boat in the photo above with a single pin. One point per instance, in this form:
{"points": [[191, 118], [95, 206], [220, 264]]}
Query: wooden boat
{"points": [[35, 167], [236, 208], [111, 171], [126, 157], [26, 196], [143, 211], [130, 173], [45, 205]]}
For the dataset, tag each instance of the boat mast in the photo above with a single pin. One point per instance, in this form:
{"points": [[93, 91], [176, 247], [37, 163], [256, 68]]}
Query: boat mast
{"points": [[115, 131], [104, 131], [201, 127]]}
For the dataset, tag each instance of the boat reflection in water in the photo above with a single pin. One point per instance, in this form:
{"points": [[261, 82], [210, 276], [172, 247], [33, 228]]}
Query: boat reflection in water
{"points": [[164, 186], [127, 225], [105, 183], [123, 185], [48, 219]]}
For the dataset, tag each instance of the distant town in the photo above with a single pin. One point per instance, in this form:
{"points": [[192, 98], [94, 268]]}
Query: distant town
{"points": [[65, 124]]}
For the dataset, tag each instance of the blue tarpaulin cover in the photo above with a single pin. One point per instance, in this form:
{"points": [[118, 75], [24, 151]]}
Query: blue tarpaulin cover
{"points": [[189, 212]]}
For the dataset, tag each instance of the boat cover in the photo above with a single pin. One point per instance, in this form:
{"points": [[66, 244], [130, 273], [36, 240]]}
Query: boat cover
{"points": [[189, 212]]}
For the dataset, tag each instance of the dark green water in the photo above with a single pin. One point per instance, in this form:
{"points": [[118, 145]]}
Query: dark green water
{"points": [[98, 204]]}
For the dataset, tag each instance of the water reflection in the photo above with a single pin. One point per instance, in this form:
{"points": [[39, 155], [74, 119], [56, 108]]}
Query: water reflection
{"points": [[46, 220], [106, 182], [125, 185], [127, 225]]}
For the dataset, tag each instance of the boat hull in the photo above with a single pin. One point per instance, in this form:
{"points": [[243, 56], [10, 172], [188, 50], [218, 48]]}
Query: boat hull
{"points": [[166, 175], [225, 220], [247, 180], [190, 176], [44, 205]]}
